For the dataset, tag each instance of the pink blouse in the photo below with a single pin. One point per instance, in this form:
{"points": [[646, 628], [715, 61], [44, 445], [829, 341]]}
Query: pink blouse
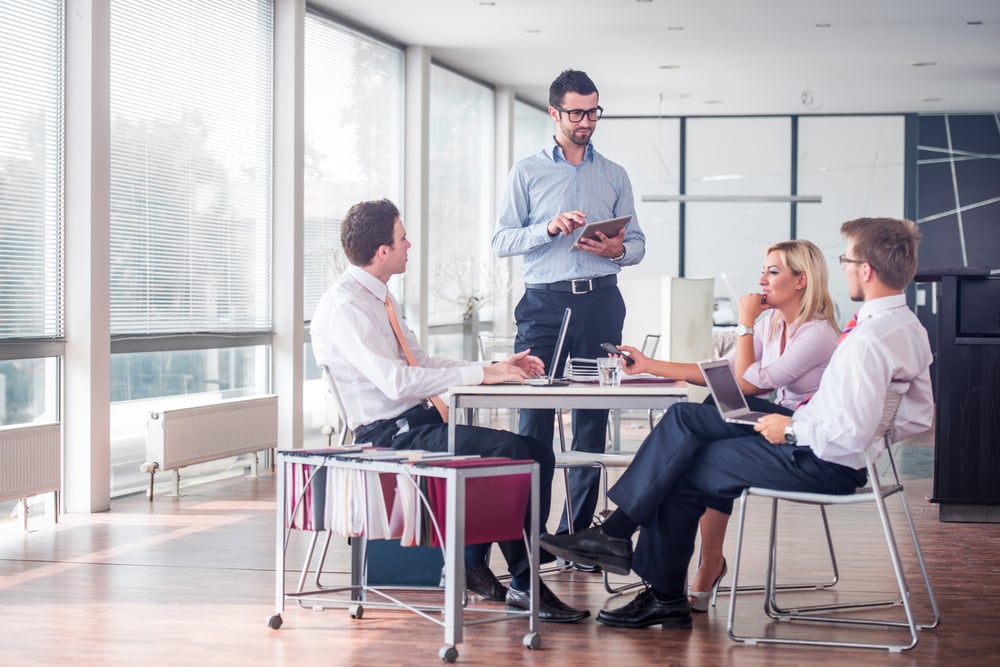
{"points": [[793, 375]]}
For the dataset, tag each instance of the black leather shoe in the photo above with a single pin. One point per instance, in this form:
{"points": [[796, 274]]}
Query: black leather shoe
{"points": [[481, 581], [592, 547], [550, 608], [645, 610]]}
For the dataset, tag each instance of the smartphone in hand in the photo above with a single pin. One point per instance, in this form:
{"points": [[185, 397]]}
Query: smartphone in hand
{"points": [[611, 348]]}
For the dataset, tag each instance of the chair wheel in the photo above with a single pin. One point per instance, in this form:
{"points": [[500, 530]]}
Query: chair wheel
{"points": [[448, 653], [532, 641], [274, 622]]}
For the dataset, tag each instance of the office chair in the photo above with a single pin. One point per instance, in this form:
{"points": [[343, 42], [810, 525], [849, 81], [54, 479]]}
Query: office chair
{"points": [[344, 434], [881, 485]]}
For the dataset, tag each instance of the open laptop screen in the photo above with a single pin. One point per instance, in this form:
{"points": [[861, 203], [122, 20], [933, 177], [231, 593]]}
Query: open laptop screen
{"points": [[722, 383]]}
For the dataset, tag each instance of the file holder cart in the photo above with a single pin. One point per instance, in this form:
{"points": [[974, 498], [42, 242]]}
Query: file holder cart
{"points": [[455, 478]]}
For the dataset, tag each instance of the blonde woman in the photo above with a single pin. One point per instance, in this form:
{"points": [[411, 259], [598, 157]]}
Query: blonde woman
{"points": [[785, 338]]}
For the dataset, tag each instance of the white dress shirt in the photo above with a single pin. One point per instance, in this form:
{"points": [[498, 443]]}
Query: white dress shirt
{"points": [[889, 346], [352, 336]]}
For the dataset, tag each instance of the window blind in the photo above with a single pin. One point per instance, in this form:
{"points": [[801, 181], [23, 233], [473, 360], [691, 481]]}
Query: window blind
{"points": [[191, 129], [353, 129], [31, 169]]}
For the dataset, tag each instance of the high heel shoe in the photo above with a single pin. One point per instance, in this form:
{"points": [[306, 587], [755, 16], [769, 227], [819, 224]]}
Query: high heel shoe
{"points": [[699, 600]]}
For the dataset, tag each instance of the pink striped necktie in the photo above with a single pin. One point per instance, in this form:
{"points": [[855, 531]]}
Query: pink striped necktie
{"points": [[843, 334]]}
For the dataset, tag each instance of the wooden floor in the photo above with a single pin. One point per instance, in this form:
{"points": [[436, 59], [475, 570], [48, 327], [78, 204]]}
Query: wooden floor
{"points": [[189, 581]]}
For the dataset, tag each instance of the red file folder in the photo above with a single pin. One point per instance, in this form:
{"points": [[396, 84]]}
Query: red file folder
{"points": [[495, 506]]}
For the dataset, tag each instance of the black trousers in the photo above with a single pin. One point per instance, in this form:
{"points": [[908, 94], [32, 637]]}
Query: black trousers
{"points": [[421, 428], [598, 317], [692, 458]]}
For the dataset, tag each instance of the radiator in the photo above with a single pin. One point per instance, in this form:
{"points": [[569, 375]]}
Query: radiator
{"points": [[29, 460], [185, 436]]}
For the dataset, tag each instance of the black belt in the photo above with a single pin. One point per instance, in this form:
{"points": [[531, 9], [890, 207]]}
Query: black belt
{"points": [[578, 286]]}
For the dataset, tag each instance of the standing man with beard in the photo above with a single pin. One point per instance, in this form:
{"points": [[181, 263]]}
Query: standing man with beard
{"points": [[549, 196]]}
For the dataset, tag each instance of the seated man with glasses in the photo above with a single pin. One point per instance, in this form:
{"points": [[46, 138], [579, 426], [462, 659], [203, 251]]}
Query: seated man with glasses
{"points": [[549, 196]]}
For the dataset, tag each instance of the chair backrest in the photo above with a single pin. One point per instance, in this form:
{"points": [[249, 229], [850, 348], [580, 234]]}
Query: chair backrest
{"points": [[883, 432], [493, 347], [343, 429], [649, 344]]}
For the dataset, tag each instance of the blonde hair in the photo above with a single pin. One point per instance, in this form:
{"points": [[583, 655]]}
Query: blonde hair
{"points": [[803, 257]]}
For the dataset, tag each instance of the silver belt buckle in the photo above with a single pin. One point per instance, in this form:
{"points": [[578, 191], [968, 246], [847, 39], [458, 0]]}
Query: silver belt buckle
{"points": [[589, 285]]}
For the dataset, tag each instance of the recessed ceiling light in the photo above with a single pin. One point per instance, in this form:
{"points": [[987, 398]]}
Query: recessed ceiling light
{"points": [[973, 23], [675, 27], [713, 101], [823, 25], [923, 63], [643, 0], [533, 31], [488, 4], [668, 67], [932, 99]]}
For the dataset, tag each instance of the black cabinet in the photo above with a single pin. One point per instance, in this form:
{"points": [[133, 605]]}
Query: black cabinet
{"points": [[967, 379]]}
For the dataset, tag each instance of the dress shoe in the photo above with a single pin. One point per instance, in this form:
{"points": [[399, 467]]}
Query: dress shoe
{"points": [[645, 610], [550, 608], [480, 580], [699, 600], [592, 547]]}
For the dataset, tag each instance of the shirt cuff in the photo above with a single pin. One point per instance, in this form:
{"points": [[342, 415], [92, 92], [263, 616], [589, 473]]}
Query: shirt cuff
{"points": [[472, 374]]}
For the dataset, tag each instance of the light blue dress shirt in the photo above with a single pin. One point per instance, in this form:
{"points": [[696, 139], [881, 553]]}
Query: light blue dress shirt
{"points": [[544, 185]]}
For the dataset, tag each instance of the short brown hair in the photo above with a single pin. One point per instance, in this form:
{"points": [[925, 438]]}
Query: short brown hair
{"points": [[887, 245], [368, 226]]}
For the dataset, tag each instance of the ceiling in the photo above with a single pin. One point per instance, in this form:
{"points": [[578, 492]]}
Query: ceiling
{"points": [[713, 57]]}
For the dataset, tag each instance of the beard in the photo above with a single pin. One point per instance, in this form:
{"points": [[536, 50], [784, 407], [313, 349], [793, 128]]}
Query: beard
{"points": [[578, 137]]}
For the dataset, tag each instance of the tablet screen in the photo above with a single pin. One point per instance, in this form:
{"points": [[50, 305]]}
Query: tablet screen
{"points": [[608, 227]]}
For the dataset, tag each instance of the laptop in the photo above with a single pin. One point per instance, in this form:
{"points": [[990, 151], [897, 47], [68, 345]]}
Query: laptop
{"points": [[732, 404], [550, 379]]}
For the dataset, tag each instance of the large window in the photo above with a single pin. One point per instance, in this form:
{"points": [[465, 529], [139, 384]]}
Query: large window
{"points": [[726, 241], [353, 135], [191, 243], [856, 163], [353, 131], [31, 205], [461, 274]]}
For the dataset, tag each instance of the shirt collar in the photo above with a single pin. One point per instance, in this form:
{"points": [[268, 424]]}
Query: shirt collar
{"points": [[873, 306], [369, 282], [555, 152]]}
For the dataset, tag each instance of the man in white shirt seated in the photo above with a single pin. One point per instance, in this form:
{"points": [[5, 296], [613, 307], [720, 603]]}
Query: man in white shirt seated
{"points": [[693, 455], [385, 379]]}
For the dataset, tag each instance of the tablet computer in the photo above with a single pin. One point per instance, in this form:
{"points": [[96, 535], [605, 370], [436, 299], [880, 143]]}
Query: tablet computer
{"points": [[608, 227]]}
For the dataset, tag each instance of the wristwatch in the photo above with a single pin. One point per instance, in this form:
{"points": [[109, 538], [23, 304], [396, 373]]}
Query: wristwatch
{"points": [[619, 257], [790, 436], [744, 330]]}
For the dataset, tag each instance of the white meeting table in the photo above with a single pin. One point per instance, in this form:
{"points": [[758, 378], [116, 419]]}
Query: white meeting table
{"points": [[574, 396]]}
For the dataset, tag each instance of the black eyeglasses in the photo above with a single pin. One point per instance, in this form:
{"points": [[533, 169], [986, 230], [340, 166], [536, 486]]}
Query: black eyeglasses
{"points": [[576, 115]]}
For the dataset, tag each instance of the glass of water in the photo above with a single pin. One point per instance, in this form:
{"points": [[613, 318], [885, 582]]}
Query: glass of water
{"points": [[610, 371]]}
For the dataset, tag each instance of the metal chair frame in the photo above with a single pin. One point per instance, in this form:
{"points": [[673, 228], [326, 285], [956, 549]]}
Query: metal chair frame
{"points": [[880, 487]]}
